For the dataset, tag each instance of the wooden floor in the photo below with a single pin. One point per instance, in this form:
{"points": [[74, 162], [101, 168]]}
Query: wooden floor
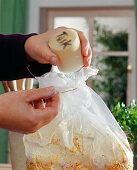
{"points": [[5, 167]]}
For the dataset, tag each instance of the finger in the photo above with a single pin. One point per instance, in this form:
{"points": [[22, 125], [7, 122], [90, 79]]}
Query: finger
{"points": [[89, 52], [60, 28], [49, 56], [53, 102], [41, 93], [86, 62], [39, 104], [87, 59], [84, 43], [46, 115], [48, 102]]}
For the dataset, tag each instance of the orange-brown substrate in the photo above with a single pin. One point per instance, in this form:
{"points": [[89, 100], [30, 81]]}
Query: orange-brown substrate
{"points": [[77, 166]]}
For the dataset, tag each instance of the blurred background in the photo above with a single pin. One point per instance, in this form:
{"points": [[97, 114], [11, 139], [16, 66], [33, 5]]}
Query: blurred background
{"points": [[110, 26]]}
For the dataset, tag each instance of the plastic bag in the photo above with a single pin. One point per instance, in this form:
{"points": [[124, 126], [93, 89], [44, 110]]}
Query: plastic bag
{"points": [[84, 135]]}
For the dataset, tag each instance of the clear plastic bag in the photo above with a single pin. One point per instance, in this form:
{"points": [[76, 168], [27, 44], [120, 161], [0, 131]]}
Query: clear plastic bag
{"points": [[84, 135]]}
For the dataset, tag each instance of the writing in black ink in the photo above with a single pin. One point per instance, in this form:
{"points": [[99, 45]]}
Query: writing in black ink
{"points": [[62, 40]]}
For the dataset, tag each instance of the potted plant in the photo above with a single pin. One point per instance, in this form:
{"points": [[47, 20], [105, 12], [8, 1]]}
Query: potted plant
{"points": [[126, 116]]}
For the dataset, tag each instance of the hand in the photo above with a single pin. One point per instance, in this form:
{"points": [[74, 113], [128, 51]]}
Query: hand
{"points": [[38, 49], [24, 111]]}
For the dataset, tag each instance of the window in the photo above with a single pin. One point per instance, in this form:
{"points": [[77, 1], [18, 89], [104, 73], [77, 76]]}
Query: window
{"points": [[85, 19]]}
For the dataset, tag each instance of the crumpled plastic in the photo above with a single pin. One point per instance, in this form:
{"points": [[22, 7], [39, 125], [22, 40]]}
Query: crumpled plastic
{"points": [[84, 135]]}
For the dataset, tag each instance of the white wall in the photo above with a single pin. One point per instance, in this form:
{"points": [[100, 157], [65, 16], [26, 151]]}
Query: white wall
{"points": [[35, 5]]}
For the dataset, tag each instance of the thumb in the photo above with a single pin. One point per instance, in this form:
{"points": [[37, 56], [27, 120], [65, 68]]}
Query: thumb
{"points": [[41, 93], [49, 56]]}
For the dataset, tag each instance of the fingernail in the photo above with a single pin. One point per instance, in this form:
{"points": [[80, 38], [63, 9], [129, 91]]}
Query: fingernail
{"points": [[51, 91], [53, 60], [86, 51]]}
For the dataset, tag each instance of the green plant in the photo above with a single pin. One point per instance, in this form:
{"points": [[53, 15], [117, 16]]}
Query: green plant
{"points": [[111, 82], [112, 41], [126, 116]]}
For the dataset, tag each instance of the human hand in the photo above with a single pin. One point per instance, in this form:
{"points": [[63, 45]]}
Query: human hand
{"points": [[24, 111], [38, 49]]}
